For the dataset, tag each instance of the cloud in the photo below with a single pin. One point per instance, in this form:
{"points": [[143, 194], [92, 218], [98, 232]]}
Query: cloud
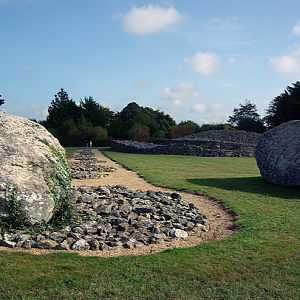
{"points": [[143, 83], [199, 108], [296, 29], [286, 65], [217, 107], [27, 68], [150, 19], [180, 93], [207, 64], [232, 60]]}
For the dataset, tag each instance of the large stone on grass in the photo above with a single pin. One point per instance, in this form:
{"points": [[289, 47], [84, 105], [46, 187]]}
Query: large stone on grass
{"points": [[278, 154], [30, 159]]}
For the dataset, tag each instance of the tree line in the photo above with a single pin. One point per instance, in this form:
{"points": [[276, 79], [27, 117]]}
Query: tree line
{"points": [[76, 124]]}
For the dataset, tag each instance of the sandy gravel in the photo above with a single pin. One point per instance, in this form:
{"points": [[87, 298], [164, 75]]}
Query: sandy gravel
{"points": [[220, 222]]}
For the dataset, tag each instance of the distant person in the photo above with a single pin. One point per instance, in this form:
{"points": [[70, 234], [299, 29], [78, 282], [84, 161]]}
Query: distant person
{"points": [[91, 143]]}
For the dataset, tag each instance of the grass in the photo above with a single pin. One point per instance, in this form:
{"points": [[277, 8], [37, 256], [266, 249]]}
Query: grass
{"points": [[261, 262]]}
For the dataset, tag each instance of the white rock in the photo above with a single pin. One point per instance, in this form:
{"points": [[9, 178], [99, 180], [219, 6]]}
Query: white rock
{"points": [[24, 166], [178, 233]]}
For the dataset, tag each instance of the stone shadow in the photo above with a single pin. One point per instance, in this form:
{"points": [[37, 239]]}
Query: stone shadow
{"points": [[255, 185]]}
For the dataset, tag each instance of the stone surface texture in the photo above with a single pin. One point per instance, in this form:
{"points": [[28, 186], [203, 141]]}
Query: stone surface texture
{"points": [[25, 167], [278, 154]]}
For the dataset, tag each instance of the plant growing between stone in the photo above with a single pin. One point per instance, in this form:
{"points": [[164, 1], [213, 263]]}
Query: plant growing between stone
{"points": [[62, 196], [17, 218]]}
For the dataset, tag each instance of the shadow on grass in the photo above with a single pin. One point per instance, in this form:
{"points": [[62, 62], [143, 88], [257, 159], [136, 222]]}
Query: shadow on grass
{"points": [[255, 185]]}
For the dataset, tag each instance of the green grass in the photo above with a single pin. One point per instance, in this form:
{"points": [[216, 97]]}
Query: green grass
{"points": [[261, 262]]}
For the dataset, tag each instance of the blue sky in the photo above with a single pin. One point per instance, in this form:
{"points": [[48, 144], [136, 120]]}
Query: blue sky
{"points": [[193, 59]]}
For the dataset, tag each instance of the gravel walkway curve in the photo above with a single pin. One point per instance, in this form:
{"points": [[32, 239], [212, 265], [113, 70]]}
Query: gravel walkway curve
{"points": [[220, 219]]}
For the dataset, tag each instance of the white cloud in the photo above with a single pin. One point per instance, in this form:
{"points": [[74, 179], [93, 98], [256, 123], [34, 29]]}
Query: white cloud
{"points": [[296, 29], [286, 65], [199, 108], [180, 93], [232, 60], [217, 107], [205, 63], [143, 83], [150, 19]]}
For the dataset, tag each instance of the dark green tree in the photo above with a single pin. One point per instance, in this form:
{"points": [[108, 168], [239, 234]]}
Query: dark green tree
{"points": [[285, 107], [158, 122], [246, 118], [96, 113], [62, 108]]}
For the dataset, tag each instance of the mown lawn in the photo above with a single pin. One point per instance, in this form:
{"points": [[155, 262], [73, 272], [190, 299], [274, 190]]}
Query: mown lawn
{"points": [[261, 262]]}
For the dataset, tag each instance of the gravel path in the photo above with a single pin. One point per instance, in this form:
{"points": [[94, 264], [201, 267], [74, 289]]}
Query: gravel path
{"points": [[220, 220]]}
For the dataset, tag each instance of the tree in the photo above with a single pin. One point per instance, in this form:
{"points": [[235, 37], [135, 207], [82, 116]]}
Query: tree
{"points": [[246, 118], [184, 128], [157, 122], [62, 108], [95, 113], [1, 100], [220, 126], [139, 132], [285, 107]]}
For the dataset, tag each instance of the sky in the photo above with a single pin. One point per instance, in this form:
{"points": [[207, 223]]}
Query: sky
{"points": [[192, 59]]}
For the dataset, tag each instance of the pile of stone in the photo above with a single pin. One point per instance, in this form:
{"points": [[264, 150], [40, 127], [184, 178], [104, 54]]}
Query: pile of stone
{"points": [[117, 217], [222, 143], [87, 166]]}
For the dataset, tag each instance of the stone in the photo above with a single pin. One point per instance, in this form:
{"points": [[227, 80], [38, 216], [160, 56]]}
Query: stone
{"points": [[27, 164], [278, 154], [128, 219], [45, 244], [63, 246], [80, 244], [178, 233], [8, 244]]}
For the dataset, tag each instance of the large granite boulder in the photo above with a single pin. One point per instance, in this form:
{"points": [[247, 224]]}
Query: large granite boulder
{"points": [[33, 172], [278, 154]]}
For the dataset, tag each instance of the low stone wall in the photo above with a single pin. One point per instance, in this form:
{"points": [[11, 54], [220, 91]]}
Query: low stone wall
{"points": [[179, 149], [222, 143]]}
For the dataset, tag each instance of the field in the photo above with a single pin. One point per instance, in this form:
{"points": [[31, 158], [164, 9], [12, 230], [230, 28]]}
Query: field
{"points": [[260, 262]]}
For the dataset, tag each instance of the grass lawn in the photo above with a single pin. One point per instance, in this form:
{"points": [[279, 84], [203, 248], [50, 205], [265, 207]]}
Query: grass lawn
{"points": [[261, 262]]}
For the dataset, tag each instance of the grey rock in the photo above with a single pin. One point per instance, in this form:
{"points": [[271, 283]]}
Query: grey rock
{"points": [[45, 244], [278, 154], [63, 246], [24, 167], [178, 233], [27, 244], [7, 243], [81, 245]]}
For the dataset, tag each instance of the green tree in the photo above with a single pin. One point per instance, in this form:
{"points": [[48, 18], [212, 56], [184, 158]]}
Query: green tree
{"points": [[220, 126], [95, 113], [139, 132], [184, 128], [285, 107], [246, 118], [158, 122], [62, 108]]}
